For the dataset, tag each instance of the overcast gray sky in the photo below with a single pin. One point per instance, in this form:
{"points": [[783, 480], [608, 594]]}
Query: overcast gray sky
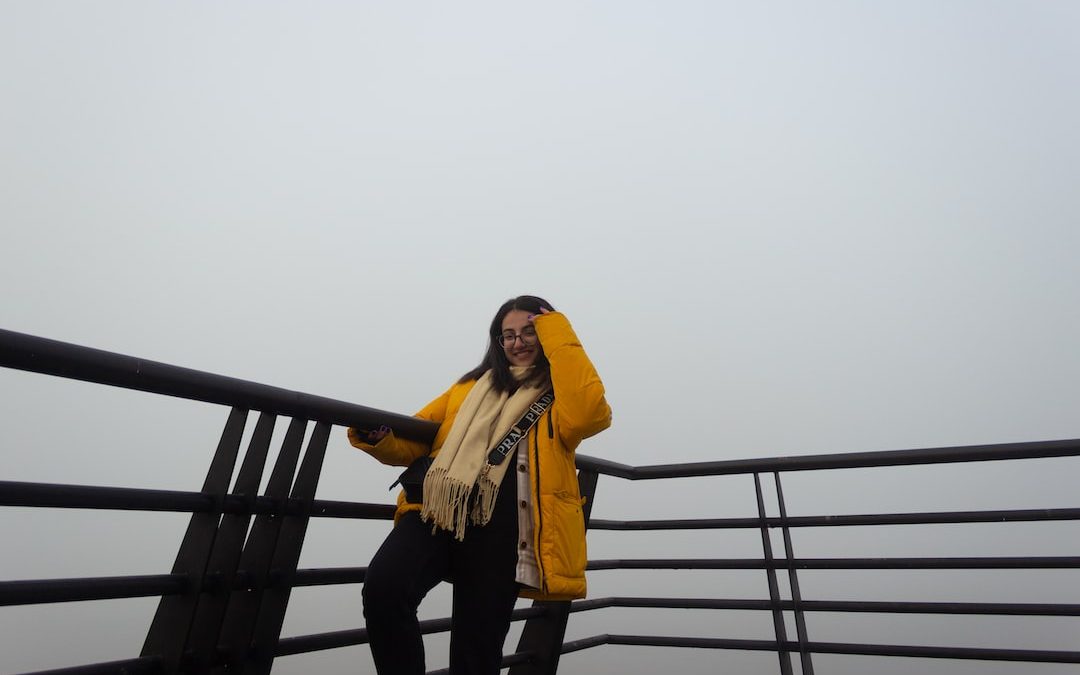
{"points": [[779, 228]]}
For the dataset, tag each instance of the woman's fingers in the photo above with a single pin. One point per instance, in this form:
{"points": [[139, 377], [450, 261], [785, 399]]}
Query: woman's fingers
{"points": [[543, 310], [376, 435]]}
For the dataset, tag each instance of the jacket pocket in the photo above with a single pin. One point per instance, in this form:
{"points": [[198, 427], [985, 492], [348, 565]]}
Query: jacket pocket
{"points": [[563, 548]]}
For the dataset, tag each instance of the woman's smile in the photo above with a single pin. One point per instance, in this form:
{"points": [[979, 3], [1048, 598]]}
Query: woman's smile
{"points": [[522, 357]]}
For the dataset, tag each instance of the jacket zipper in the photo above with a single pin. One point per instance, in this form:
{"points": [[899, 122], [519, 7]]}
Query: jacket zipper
{"points": [[539, 514]]}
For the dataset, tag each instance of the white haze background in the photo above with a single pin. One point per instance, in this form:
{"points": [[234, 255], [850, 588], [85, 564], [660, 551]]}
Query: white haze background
{"points": [[779, 228]]}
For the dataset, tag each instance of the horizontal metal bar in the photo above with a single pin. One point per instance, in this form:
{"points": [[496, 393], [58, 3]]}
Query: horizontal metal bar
{"points": [[699, 642], [49, 495], [675, 524], [929, 518], [140, 666], [584, 643], [507, 661], [1025, 655], [332, 509], [988, 563], [607, 467], [1052, 562], [594, 604], [40, 591], [302, 644], [669, 603], [969, 653], [62, 359], [329, 576], [53, 495], [969, 608], [676, 564], [853, 460]]}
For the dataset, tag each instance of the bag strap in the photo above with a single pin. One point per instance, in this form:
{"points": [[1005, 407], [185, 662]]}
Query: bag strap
{"points": [[520, 428]]}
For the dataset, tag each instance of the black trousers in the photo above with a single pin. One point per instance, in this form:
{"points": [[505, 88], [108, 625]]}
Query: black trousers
{"points": [[482, 568]]}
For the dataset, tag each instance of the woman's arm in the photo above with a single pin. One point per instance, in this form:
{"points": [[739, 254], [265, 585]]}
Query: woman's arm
{"points": [[579, 393], [398, 451]]}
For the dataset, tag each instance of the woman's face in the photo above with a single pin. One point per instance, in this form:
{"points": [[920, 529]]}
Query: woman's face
{"points": [[519, 340]]}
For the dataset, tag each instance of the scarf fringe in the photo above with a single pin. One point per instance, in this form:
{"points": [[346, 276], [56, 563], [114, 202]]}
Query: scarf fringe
{"points": [[445, 502], [487, 491], [448, 507]]}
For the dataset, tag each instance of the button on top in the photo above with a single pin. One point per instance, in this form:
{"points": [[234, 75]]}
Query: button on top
{"points": [[522, 468], [523, 544], [524, 503]]}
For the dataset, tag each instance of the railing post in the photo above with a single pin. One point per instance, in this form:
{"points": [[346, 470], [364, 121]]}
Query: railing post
{"points": [[238, 626], [290, 541], [543, 635], [228, 545], [793, 578], [774, 588], [168, 633]]}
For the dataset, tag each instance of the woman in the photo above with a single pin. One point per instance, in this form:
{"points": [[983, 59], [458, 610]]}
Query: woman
{"points": [[495, 529]]}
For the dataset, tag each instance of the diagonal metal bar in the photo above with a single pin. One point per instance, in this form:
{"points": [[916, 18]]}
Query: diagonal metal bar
{"points": [[587, 483], [242, 609], [793, 578], [225, 556], [286, 556], [169, 629], [774, 587]]}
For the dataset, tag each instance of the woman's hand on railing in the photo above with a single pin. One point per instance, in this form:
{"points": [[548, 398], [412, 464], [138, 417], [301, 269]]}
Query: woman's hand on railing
{"points": [[373, 436]]}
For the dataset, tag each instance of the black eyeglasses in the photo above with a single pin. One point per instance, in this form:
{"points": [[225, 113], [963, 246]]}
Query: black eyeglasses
{"points": [[528, 338]]}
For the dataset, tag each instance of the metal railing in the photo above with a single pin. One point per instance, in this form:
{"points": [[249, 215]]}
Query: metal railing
{"points": [[799, 607], [223, 603]]}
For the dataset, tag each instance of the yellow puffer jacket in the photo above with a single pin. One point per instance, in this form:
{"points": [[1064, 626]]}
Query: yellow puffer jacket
{"points": [[580, 410]]}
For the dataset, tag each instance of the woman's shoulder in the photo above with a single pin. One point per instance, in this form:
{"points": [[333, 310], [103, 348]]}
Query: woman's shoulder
{"points": [[463, 385], [459, 390]]}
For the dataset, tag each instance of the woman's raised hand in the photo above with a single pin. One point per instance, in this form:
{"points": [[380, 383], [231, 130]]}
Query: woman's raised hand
{"points": [[543, 310]]}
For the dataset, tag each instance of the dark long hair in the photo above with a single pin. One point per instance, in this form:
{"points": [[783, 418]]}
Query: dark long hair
{"points": [[495, 358]]}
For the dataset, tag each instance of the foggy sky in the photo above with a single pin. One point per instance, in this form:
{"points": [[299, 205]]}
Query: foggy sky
{"points": [[778, 228]]}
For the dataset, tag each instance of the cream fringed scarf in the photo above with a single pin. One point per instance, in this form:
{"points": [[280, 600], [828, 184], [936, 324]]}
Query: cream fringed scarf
{"points": [[484, 418]]}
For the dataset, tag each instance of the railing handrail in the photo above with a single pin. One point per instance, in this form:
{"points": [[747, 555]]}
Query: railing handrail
{"points": [[63, 359], [848, 460]]}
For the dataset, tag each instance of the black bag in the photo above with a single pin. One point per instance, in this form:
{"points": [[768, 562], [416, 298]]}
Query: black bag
{"points": [[412, 479]]}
